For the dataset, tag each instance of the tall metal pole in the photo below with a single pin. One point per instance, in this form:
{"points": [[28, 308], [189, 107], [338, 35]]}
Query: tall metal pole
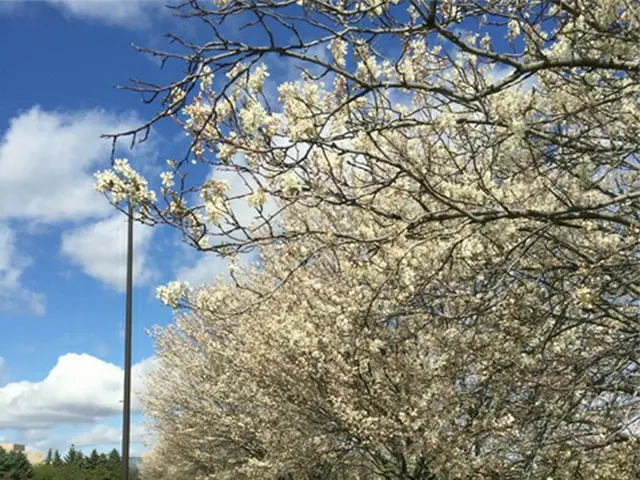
{"points": [[126, 411]]}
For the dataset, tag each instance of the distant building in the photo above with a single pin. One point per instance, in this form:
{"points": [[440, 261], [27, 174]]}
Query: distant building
{"points": [[12, 447], [34, 458]]}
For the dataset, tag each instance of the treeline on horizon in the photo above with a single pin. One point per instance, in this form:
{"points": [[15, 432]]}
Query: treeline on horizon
{"points": [[75, 465]]}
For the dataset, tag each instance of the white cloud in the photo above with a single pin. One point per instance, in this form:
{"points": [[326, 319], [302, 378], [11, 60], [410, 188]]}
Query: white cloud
{"points": [[127, 13], [103, 434], [14, 296], [204, 270], [121, 13], [30, 438], [100, 249], [79, 389], [47, 160]]}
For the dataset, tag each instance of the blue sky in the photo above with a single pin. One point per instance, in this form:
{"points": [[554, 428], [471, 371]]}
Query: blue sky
{"points": [[62, 248]]}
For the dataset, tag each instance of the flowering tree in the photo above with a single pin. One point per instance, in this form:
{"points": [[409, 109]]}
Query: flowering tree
{"points": [[444, 201]]}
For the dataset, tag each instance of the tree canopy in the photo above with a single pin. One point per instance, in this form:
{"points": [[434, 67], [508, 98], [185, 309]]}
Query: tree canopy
{"points": [[78, 466], [14, 466], [430, 213]]}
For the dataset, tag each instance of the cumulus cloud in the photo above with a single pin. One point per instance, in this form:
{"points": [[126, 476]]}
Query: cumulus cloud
{"points": [[2, 374], [14, 296], [100, 249], [47, 160], [79, 389]]}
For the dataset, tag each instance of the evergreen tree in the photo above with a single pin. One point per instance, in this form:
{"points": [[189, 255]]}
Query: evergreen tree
{"points": [[49, 457], [15, 466], [93, 466], [93, 460], [57, 460], [81, 459], [114, 459], [3, 460], [71, 458]]}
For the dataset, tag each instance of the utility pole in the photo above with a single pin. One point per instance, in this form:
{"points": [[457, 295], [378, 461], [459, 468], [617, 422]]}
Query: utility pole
{"points": [[126, 410]]}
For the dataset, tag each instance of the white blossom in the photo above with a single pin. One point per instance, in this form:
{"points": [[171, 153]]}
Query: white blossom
{"points": [[172, 293], [123, 183], [167, 179], [257, 199]]}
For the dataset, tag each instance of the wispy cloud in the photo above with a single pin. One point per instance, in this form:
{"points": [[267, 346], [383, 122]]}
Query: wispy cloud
{"points": [[130, 14], [2, 374], [14, 296]]}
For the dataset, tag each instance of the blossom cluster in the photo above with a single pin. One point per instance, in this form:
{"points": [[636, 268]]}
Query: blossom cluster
{"points": [[123, 183]]}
